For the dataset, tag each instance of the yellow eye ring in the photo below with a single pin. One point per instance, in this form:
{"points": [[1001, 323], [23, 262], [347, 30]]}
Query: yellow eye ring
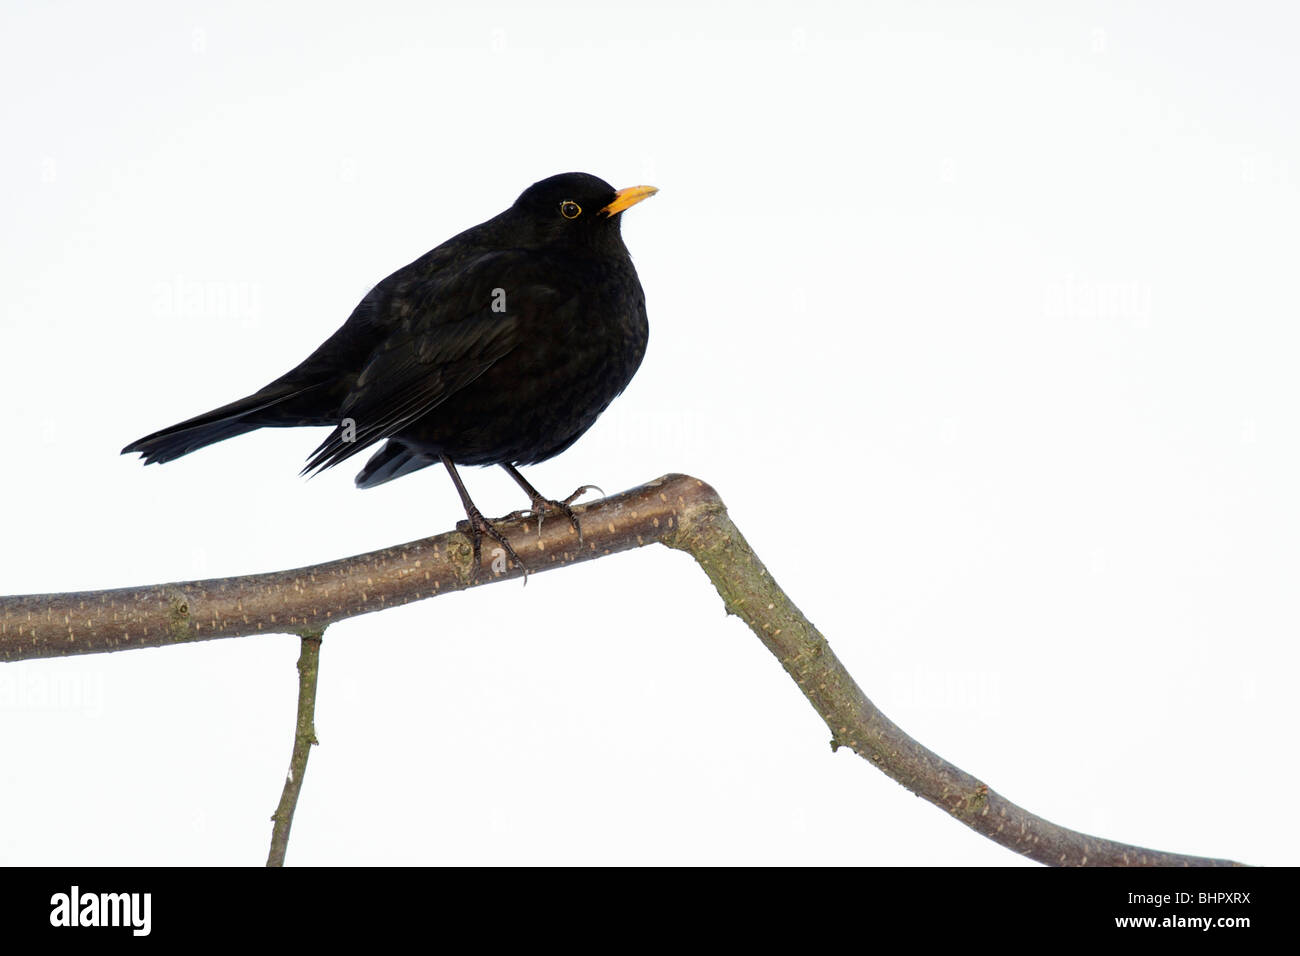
{"points": [[570, 209]]}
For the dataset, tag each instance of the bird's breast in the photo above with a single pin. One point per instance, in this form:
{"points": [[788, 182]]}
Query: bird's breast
{"points": [[575, 353]]}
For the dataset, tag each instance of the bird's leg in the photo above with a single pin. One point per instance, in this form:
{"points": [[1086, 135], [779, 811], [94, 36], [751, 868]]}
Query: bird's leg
{"points": [[541, 505], [478, 525]]}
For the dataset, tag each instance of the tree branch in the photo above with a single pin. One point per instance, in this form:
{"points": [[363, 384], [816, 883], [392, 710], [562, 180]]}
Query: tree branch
{"points": [[303, 599], [676, 510], [304, 738]]}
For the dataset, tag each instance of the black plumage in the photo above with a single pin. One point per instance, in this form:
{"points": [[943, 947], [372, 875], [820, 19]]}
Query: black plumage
{"points": [[499, 347]]}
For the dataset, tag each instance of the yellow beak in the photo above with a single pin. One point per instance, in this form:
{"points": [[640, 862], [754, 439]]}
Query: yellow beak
{"points": [[625, 198]]}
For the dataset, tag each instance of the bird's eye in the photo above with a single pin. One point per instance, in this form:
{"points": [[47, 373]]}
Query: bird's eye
{"points": [[570, 209]]}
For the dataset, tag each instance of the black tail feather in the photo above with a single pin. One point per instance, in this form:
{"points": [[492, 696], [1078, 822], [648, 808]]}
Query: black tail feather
{"points": [[392, 461], [250, 413]]}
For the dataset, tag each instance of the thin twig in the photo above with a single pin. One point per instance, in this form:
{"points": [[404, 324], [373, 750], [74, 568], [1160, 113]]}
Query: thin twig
{"points": [[304, 738]]}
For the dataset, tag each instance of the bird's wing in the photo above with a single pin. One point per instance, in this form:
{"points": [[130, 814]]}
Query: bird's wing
{"points": [[450, 332]]}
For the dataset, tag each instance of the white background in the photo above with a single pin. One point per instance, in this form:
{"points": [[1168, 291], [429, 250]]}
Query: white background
{"points": [[983, 323]]}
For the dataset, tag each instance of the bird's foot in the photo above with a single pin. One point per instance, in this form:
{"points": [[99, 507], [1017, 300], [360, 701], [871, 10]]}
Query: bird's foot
{"points": [[540, 506], [476, 526], [580, 492]]}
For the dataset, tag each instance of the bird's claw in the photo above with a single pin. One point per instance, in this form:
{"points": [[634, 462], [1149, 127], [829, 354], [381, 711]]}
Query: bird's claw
{"points": [[582, 491], [475, 527], [542, 505]]}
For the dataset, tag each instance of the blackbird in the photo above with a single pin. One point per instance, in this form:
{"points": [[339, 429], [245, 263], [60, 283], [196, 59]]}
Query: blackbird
{"points": [[499, 347]]}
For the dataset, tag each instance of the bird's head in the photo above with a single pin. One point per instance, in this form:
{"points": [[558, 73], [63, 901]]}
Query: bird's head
{"points": [[574, 209]]}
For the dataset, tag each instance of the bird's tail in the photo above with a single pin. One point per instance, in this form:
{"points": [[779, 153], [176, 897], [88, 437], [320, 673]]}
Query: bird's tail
{"points": [[392, 461], [259, 410]]}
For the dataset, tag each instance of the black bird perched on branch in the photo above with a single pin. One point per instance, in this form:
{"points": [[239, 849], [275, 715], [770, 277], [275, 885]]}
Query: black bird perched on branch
{"points": [[499, 347]]}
